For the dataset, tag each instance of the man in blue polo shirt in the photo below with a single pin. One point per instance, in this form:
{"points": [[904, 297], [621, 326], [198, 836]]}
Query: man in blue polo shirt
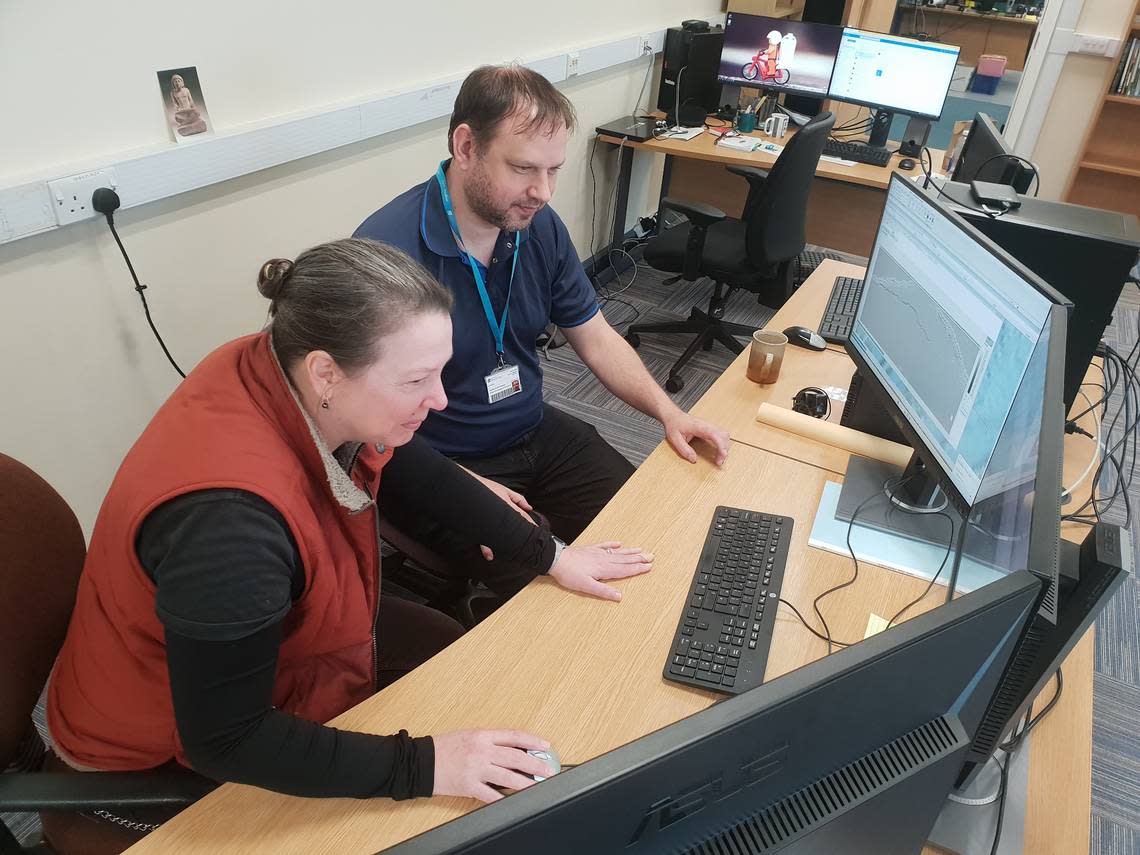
{"points": [[482, 226]]}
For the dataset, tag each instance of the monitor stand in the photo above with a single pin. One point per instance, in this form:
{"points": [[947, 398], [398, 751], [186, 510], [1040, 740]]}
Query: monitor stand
{"points": [[911, 515], [880, 128]]}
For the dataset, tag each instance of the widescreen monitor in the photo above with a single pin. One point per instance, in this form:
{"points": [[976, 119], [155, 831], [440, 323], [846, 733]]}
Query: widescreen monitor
{"points": [[778, 54], [893, 73], [853, 753], [945, 330]]}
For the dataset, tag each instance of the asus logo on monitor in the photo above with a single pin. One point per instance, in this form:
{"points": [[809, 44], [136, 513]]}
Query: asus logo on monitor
{"points": [[672, 809]]}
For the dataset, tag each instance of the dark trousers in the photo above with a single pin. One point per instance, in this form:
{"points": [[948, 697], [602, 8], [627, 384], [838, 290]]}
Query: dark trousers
{"points": [[564, 468]]}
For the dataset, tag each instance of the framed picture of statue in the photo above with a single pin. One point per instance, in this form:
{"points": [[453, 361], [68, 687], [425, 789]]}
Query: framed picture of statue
{"points": [[184, 103]]}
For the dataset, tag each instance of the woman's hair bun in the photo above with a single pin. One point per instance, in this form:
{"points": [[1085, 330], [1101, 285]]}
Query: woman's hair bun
{"points": [[273, 276]]}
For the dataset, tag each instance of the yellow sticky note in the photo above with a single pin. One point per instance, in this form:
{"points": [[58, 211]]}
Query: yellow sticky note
{"points": [[875, 625]]}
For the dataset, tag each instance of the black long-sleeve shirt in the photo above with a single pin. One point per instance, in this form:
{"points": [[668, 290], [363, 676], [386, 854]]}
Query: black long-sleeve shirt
{"points": [[227, 570]]}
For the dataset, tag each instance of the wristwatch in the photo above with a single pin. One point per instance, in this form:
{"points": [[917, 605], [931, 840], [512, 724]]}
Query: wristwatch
{"points": [[559, 545]]}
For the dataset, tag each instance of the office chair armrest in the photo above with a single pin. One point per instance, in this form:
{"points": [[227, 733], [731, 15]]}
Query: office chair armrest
{"points": [[699, 214], [750, 172], [33, 791]]}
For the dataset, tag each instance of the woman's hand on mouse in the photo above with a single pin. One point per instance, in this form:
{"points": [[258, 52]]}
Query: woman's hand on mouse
{"points": [[583, 568], [469, 762]]}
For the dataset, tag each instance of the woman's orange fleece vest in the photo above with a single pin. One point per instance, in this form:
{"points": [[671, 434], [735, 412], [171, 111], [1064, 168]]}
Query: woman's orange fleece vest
{"points": [[233, 423]]}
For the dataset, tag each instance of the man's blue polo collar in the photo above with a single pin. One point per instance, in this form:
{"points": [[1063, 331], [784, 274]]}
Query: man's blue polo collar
{"points": [[433, 222]]}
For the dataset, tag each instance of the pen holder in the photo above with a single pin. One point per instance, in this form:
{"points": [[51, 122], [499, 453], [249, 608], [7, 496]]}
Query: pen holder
{"points": [[746, 122]]}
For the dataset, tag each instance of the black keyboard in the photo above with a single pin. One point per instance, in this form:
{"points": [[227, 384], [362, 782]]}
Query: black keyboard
{"points": [[839, 316], [860, 152], [726, 626]]}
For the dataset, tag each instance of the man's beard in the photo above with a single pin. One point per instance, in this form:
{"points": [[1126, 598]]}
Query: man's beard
{"points": [[480, 196]]}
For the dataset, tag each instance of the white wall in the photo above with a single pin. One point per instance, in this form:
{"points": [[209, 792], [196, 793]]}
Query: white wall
{"points": [[81, 373], [1073, 107]]}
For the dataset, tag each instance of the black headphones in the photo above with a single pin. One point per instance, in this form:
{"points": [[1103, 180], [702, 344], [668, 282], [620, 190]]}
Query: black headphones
{"points": [[812, 401]]}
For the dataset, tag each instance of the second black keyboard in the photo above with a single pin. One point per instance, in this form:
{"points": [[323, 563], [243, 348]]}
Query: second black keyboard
{"points": [[726, 626], [857, 151], [839, 316]]}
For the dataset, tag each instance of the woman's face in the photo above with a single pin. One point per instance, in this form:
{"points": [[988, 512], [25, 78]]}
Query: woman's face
{"points": [[177, 82], [386, 402]]}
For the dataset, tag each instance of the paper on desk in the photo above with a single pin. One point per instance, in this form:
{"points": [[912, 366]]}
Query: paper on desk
{"points": [[913, 557], [679, 133], [740, 143], [830, 159], [875, 625]]}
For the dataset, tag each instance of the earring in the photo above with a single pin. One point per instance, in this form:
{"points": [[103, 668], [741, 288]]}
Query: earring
{"points": [[324, 403]]}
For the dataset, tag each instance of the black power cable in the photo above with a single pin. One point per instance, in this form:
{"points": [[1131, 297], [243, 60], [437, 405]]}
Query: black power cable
{"points": [[106, 202]]}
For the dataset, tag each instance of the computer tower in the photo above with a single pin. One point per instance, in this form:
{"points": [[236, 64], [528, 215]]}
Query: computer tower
{"points": [[694, 56], [1084, 253], [865, 413]]}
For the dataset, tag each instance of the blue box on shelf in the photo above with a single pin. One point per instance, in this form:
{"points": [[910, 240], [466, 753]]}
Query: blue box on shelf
{"points": [[983, 84]]}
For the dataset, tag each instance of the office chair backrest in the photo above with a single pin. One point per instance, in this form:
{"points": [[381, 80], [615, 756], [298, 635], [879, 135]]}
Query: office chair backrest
{"points": [[776, 218], [41, 556]]}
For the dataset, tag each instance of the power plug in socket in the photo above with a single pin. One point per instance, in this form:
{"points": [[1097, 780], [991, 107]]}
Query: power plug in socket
{"points": [[71, 196]]}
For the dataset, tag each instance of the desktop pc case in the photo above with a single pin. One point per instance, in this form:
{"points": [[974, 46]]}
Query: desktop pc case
{"points": [[1084, 253], [697, 52]]}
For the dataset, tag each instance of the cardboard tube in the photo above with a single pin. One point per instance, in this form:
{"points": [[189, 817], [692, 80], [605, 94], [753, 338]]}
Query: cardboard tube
{"points": [[830, 433]]}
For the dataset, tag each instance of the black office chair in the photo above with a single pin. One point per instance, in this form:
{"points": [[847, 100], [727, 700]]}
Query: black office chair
{"points": [[756, 253]]}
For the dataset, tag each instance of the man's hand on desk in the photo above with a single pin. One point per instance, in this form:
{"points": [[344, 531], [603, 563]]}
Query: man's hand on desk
{"points": [[582, 568], [681, 429], [468, 762]]}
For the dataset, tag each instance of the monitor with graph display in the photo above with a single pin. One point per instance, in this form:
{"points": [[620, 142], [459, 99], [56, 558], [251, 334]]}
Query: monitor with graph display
{"points": [[947, 326]]}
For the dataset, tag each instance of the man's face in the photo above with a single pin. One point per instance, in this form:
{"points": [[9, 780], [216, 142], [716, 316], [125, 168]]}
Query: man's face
{"points": [[515, 174]]}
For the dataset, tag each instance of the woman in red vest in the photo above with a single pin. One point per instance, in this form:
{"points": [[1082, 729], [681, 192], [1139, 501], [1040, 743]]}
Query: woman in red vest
{"points": [[230, 602]]}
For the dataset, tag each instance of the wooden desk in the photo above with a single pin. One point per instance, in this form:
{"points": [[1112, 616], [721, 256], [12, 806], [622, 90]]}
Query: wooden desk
{"points": [[844, 208], [976, 33], [532, 666]]}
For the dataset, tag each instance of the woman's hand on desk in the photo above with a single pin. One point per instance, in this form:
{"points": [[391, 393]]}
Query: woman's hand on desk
{"points": [[682, 428], [468, 762], [583, 568]]}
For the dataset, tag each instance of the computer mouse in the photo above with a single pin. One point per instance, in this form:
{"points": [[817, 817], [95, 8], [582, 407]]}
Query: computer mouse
{"points": [[803, 337], [549, 757], [906, 163]]}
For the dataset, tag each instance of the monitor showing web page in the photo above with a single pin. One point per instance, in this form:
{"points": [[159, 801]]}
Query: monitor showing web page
{"points": [[893, 73], [948, 328]]}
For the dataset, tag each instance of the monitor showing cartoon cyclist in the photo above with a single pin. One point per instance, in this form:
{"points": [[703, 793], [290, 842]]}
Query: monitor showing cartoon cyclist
{"points": [[775, 53]]}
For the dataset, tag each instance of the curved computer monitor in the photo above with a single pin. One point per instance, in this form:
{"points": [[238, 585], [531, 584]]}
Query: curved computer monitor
{"points": [[986, 156], [778, 54], [945, 331], [893, 73], [854, 753]]}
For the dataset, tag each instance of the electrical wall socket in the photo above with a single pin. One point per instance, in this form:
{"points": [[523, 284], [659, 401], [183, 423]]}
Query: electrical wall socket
{"points": [[1093, 45], [645, 46], [572, 63], [71, 196]]}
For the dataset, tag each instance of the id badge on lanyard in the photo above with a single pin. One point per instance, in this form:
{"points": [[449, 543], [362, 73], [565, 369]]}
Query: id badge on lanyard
{"points": [[504, 381]]}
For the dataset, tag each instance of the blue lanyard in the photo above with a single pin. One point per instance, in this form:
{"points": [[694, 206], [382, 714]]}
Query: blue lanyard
{"points": [[498, 327]]}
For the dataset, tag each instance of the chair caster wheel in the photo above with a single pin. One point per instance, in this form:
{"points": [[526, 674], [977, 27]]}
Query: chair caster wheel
{"points": [[634, 340], [674, 383]]}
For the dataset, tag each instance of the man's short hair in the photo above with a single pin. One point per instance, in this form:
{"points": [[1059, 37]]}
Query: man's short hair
{"points": [[492, 93]]}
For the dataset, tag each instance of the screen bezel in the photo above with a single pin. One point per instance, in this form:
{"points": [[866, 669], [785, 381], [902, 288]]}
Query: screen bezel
{"points": [[888, 107], [913, 438]]}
